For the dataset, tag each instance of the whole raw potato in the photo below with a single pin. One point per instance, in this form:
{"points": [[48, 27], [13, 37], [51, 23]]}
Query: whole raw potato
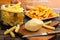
{"points": [[33, 24]]}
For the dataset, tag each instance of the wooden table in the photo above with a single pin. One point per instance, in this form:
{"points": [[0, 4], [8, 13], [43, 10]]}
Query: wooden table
{"points": [[7, 37]]}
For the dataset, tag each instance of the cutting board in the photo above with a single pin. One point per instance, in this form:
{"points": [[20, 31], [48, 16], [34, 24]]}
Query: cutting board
{"points": [[23, 31]]}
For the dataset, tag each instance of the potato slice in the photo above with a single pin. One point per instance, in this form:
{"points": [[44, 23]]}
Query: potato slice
{"points": [[48, 22], [9, 30], [17, 28], [49, 27], [12, 34]]}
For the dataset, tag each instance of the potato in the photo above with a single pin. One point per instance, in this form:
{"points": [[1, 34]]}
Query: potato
{"points": [[41, 12], [33, 24]]}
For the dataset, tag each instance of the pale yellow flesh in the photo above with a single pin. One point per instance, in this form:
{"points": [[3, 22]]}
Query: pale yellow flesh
{"points": [[33, 24], [17, 28], [49, 27], [12, 34], [9, 30]]}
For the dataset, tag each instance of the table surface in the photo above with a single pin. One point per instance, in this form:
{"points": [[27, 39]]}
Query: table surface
{"points": [[7, 37]]}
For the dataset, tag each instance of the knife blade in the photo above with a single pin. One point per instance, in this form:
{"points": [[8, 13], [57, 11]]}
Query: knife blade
{"points": [[42, 34]]}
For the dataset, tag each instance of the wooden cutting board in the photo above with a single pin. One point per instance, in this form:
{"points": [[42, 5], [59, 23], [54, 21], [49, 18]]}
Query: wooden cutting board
{"points": [[23, 31]]}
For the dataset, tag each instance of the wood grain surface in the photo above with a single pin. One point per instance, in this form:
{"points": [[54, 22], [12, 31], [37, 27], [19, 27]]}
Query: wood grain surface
{"points": [[23, 31]]}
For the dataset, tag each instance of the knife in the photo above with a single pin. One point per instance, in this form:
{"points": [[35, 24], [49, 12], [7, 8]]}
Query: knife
{"points": [[42, 34]]}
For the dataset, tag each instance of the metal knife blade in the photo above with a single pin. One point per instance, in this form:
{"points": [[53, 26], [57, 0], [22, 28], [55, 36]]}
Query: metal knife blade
{"points": [[42, 34]]}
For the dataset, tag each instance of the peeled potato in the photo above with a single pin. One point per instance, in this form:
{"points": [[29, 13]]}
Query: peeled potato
{"points": [[33, 25]]}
